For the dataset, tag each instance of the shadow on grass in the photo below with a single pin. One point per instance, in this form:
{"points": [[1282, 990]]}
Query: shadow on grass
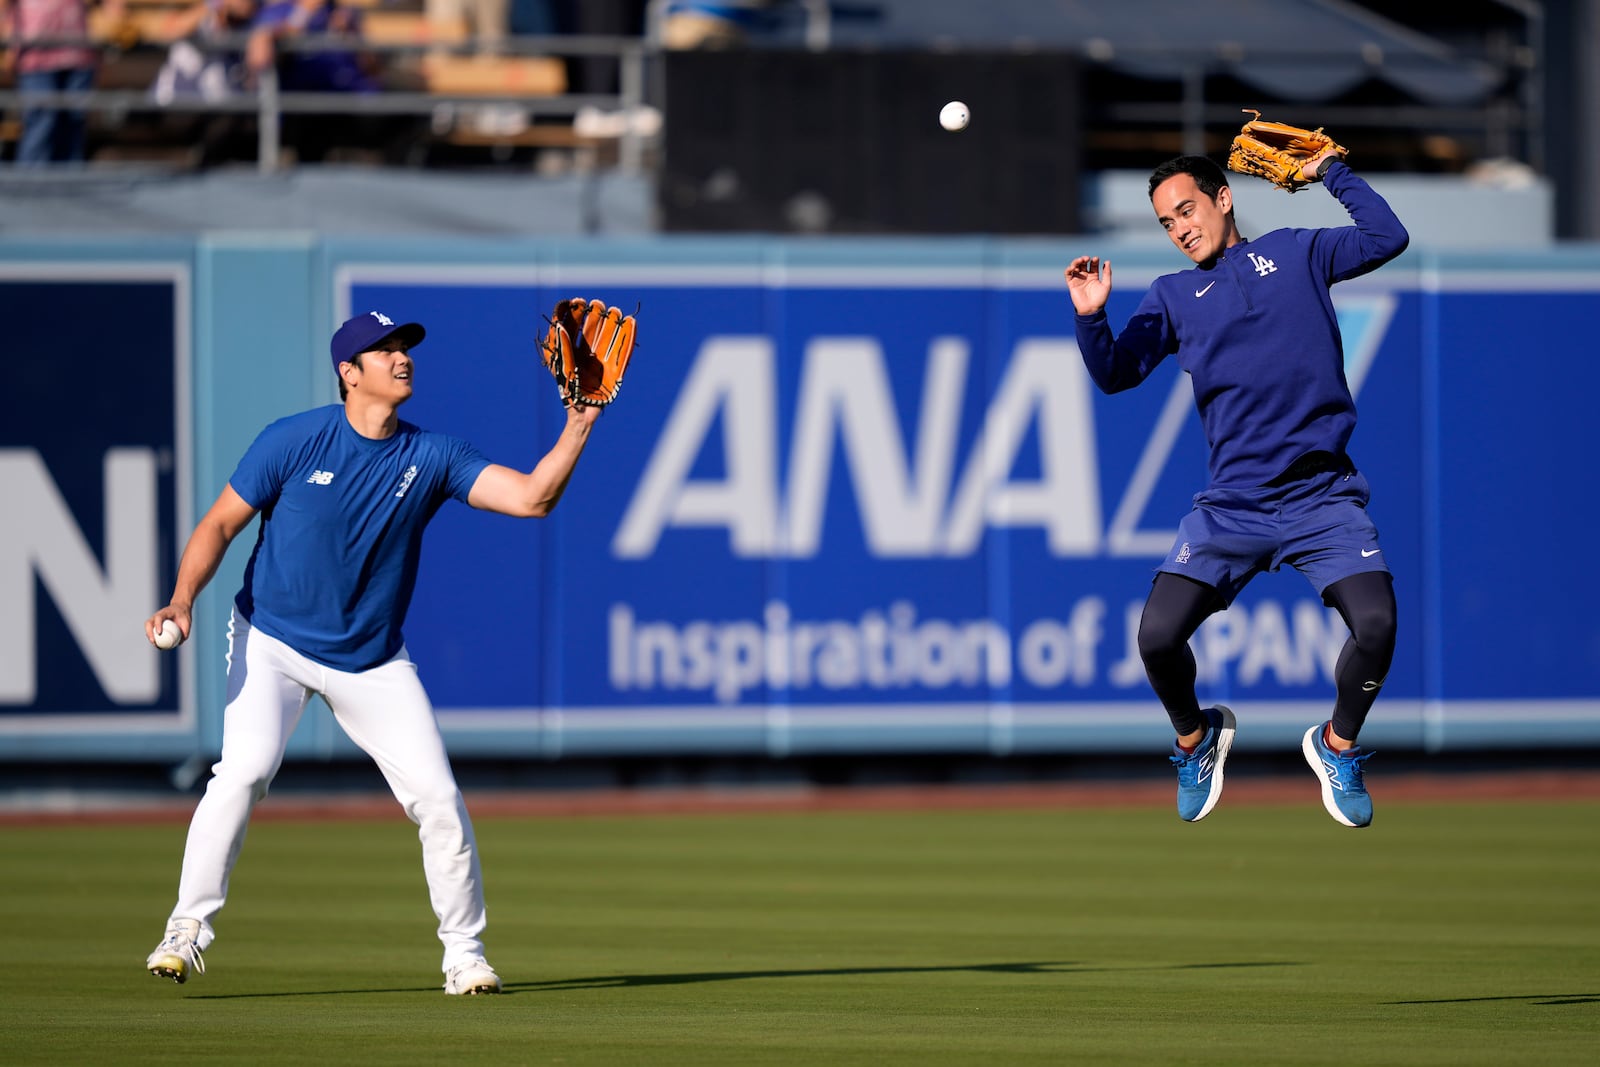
{"points": [[315, 993], [1544, 1000], [1048, 967], [628, 981]]}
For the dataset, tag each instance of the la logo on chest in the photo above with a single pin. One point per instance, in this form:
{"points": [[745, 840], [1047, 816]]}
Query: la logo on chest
{"points": [[1262, 264]]}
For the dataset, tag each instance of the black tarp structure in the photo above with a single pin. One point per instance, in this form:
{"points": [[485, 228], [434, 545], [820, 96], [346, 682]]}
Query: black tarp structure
{"points": [[1295, 49]]}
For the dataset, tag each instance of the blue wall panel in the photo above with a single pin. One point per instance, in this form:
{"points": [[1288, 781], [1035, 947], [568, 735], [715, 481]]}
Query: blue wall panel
{"points": [[859, 495], [95, 469]]}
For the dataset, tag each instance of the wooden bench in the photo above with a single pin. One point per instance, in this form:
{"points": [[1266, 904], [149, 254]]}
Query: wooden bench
{"points": [[506, 78], [152, 24], [485, 75], [410, 27]]}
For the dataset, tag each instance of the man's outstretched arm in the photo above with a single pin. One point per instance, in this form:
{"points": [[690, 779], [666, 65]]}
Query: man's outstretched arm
{"points": [[535, 494]]}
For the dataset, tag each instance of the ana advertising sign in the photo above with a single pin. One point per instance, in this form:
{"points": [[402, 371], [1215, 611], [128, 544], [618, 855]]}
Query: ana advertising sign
{"points": [[847, 502], [94, 469]]}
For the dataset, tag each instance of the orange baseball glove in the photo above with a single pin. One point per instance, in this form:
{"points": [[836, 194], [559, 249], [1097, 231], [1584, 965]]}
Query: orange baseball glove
{"points": [[586, 349], [1277, 151]]}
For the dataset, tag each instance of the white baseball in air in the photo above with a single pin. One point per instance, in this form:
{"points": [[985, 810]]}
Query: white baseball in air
{"points": [[954, 116], [169, 636]]}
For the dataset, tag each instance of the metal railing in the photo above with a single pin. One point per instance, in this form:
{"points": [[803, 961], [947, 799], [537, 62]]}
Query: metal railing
{"points": [[269, 103], [1508, 128]]}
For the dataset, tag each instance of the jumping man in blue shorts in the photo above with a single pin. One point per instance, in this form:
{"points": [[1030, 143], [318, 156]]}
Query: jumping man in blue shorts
{"points": [[1253, 324], [344, 493]]}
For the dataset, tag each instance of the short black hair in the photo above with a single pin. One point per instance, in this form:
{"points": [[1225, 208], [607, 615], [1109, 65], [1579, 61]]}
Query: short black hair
{"points": [[1203, 169], [354, 361]]}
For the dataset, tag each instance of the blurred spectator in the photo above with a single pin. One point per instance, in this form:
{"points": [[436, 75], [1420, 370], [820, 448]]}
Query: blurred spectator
{"points": [[537, 18], [336, 70], [601, 18], [199, 63], [697, 24], [486, 21], [318, 71], [193, 68], [50, 134]]}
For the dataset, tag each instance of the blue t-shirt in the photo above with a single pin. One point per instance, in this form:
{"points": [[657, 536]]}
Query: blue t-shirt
{"points": [[342, 518], [1257, 332]]}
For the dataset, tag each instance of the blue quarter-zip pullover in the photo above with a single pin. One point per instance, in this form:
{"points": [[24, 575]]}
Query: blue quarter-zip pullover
{"points": [[1256, 331]]}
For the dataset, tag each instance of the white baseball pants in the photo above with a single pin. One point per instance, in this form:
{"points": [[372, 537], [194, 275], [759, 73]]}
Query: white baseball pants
{"points": [[387, 713]]}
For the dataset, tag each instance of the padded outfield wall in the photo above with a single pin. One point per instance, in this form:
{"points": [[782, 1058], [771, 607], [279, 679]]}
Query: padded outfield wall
{"points": [[857, 496]]}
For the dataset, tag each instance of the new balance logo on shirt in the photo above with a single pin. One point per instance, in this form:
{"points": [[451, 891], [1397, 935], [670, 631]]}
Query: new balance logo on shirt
{"points": [[321, 478]]}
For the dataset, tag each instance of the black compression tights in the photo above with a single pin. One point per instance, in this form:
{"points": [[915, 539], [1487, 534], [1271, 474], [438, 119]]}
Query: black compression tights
{"points": [[1178, 605]]}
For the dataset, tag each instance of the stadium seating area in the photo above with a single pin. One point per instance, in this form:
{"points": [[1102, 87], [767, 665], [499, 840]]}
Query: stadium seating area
{"points": [[1415, 102], [445, 99]]}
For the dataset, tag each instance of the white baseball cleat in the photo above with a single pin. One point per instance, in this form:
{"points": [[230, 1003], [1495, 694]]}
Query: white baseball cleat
{"points": [[471, 977], [178, 953]]}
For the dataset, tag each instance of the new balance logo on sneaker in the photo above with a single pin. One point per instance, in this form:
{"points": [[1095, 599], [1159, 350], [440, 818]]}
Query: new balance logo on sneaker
{"points": [[1200, 771], [1344, 790], [1330, 772]]}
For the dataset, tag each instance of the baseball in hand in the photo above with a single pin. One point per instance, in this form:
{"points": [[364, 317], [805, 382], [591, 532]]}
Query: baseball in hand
{"points": [[954, 116], [169, 636]]}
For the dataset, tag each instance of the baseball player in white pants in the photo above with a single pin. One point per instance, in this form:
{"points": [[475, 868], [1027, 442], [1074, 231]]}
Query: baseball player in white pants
{"points": [[344, 493]]}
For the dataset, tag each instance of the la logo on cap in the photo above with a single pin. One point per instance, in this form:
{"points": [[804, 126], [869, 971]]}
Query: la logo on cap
{"points": [[363, 332]]}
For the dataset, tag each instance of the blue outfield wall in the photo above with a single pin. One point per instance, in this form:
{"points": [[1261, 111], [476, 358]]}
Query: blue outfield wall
{"points": [[856, 496]]}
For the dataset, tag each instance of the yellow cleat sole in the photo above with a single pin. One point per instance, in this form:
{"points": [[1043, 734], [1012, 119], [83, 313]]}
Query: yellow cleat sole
{"points": [[175, 971]]}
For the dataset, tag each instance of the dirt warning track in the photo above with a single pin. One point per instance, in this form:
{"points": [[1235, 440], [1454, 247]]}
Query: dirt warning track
{"points": [[1413, 788]]}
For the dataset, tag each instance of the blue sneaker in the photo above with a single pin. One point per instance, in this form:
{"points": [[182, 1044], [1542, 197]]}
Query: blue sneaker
{"points": [[1344, 794], [1200, 772]]}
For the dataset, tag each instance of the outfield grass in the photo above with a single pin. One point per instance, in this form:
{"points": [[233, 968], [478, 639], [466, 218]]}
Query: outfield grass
{"points": [[1447, 935]]}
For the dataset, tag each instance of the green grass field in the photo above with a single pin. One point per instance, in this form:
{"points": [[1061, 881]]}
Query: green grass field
{"points": [[1446, 934]]}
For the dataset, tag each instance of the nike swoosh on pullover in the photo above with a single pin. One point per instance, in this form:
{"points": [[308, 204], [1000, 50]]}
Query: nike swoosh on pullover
{"points": [[1262, 343]]}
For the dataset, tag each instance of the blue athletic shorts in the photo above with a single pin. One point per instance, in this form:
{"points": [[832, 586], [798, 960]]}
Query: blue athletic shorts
{"points": [[1319, 526]]}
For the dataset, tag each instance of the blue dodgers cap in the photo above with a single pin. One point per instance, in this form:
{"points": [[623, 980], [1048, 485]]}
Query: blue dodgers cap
{"points": [[364, 332]]}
